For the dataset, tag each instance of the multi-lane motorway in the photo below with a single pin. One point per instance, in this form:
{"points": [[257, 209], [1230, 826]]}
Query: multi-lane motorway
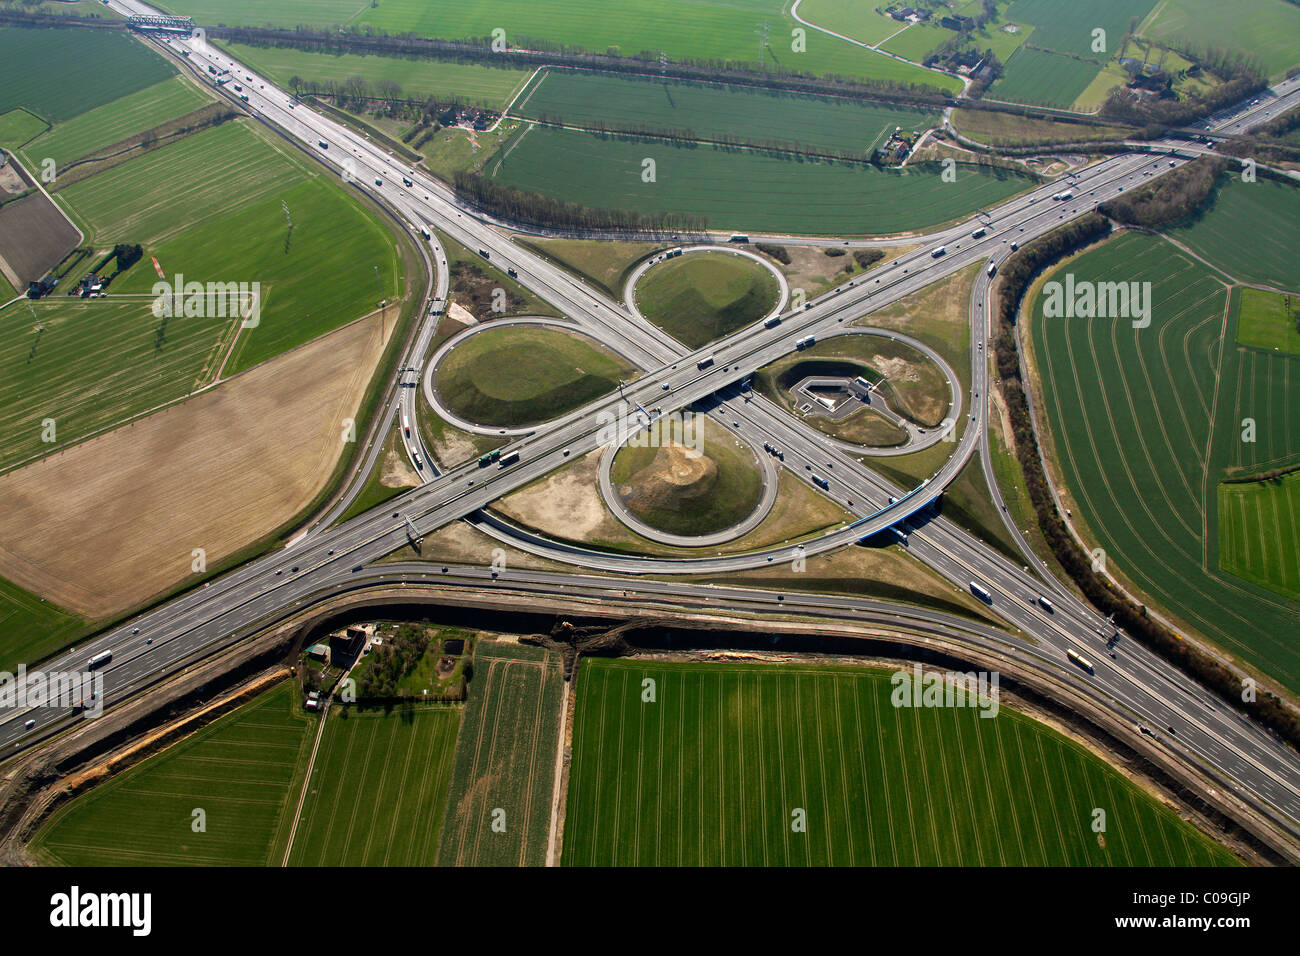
{"points": [[1136, 684]]}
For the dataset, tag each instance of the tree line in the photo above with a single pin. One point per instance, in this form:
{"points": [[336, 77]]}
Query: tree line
{"points": [[478, 50], [1175, 196], [1016, 274], [1279, 126], [1242, 78], [526, 208], [1273, 474], [687, 137]]}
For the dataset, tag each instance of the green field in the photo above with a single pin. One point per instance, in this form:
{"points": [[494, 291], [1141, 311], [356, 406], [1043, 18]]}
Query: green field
{"points": [[744, 189], [420, 79], [1007, 129], [712, 111], [1146, 421], [1259, 532], [851, 18], [69, 8], [241, 770], [59, 74], [185, 201], [713, 771], [703, 296], [919, 39], [90, 363], [1267, 320], [706, 29], [1249, 232], [254, 12], [505, 759], [716, 498], [18, 127], [33, 627], [604, 263], [1067, 27], [1263, 29], [111, 123], [377, 790], [522, 375], [1043, 78]]}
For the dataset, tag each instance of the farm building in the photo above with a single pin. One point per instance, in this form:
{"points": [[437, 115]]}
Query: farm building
{"points": [[345, 645]]}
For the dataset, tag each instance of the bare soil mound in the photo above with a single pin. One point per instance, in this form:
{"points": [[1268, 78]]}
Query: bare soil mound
{"points": [[675, 475]]}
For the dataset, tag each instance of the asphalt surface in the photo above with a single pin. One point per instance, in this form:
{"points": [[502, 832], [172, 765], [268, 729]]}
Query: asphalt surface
{"points": [[1253, 762]]}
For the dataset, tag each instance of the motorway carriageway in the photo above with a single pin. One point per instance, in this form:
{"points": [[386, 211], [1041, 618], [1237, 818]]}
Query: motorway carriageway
{"points": [[241, 599]]}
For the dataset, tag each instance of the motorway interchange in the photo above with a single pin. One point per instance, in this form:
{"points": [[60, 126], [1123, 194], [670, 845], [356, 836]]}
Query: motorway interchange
{"points": [[1044, 619]]}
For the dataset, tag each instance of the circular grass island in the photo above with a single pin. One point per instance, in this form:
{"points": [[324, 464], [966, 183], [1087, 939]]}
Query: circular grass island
{"points": [[686, 479], [519, 375], [702, 296], [907, 388]]}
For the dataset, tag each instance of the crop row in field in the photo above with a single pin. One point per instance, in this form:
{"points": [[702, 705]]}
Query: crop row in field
{"points": [[114, 121], [1248, 232], [377, 789], [499, 805], [73, 366], [239, 772], [59, 74], [744, 189], [712, 111], [755, 765], [212, 207], [1269, 320], [1259, 532], [1146, 420], [86, 364]]}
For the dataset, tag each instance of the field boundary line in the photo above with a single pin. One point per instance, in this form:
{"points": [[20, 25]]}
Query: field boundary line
{"points": [[1054, 804], [530, 789], [949, 789], [302, 794], [1232, 295], [1006, 779], [492, 678], [907, 786], [1084, 496], [821, 764], [553, 831], [1028, 790], [889, 812], [862, 770], [844, 770], [540, 74], [356, 796], [381, 780], [966, 774]]}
